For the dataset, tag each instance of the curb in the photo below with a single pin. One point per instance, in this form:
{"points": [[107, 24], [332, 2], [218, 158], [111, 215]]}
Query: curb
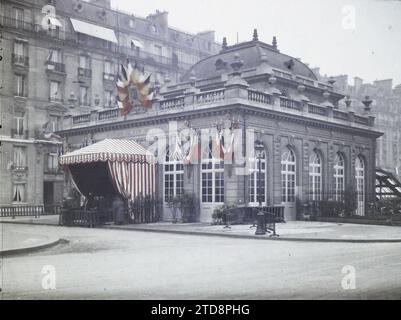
{"points": [[30, 224], [18, 251], [238, 236]]}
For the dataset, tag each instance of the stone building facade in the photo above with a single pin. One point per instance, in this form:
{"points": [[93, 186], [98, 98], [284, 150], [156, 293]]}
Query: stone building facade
{"points": [[314, 146], [386, 107], [61, 57]]}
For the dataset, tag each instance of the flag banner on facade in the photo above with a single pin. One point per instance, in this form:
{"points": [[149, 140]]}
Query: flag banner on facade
{"points": [[228, 148], [132, 78], [191, 150], [223, 146]]}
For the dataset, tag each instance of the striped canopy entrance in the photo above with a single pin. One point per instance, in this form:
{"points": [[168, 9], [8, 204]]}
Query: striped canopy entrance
{"points": [[130, 169]]}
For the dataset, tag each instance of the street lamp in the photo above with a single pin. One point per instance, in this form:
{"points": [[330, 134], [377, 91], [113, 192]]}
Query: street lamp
{"points": [[261, 228]]}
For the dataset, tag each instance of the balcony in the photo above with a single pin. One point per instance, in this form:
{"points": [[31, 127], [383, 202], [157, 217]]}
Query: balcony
{"points": [[19, 134], [55, 66], [20, 60], [19, 168], [83, 72]]}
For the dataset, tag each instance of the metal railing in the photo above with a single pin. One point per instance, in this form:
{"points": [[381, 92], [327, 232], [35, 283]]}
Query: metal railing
{"points": [[21, 211], [55, 66], [85, 218], [20, 60], [82, 72]]}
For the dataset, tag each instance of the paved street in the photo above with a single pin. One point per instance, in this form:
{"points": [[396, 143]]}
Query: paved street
{"points": [[113, 264]]}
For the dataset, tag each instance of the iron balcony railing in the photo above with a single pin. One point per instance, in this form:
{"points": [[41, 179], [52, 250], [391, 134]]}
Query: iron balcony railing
{"points": [[83, 72], [55, 66]]}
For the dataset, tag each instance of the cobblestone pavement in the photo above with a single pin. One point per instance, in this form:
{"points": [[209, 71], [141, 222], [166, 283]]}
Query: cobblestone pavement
{"points": [[113, 264]]}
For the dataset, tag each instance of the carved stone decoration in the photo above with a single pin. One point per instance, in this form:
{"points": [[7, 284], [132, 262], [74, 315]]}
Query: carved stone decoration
{"points": [[318, 144], [78, 5], [290, 64], [101, 14], [220, 64], [291, 141]]}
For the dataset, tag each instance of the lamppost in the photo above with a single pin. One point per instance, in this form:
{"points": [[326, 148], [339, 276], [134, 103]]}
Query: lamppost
{"points": [[261, 228]]}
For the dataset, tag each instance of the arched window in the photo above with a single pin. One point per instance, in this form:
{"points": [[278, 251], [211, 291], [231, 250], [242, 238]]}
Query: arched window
{"points": [[315, 177], [288, 176], [254, 179], [360, 185], [339, 177], [212, 176], [173, 177]]}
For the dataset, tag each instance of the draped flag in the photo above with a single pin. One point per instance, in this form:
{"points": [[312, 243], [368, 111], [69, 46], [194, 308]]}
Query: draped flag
{"points": [[178, 150], [217, 146], [133, 78], [228, 149], [191, 150], [223, 149]]}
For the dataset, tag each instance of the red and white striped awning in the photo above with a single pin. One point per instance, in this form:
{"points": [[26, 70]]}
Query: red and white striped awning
{"points": [[109, 150]]}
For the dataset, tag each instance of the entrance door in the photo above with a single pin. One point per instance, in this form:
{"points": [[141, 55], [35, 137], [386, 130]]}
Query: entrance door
{"points": [[288, 184], [212, 190]]}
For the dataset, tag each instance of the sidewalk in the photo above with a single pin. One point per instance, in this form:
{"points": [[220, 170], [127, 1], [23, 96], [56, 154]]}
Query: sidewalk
{"points": [[291, 231], [43, 220], [16, 242]]}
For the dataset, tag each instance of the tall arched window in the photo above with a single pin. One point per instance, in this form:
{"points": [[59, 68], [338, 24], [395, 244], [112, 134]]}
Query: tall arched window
{"points": [[315, 177], [254, 179], [339, 177], [288, 176], [212, 176], [360, 185], [173, 177]]}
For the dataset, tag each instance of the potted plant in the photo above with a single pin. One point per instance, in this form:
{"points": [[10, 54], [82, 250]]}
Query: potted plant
{"points": [[218, 214], [182, 207]]}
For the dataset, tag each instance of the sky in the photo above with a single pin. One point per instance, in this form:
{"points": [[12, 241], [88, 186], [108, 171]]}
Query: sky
{"points": [[361, 38]]}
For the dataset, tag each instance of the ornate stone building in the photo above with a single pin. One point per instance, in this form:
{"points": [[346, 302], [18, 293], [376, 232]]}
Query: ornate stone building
{"points": [[62, 59], [314, 146], [386, 107]]}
